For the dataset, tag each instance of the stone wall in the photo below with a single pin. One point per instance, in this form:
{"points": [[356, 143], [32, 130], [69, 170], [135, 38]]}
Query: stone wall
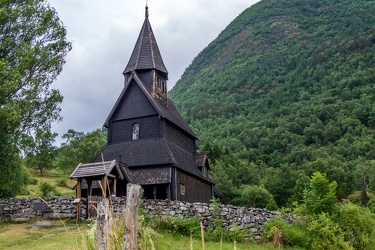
{"points": [[251, 219], [24, 209], [63, 207]]}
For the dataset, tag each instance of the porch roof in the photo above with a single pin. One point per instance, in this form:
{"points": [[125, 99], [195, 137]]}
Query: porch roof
{"points": [[96, 169]]}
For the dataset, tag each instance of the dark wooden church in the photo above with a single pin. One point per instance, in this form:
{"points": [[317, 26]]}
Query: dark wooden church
{"points": [[148, 139]]}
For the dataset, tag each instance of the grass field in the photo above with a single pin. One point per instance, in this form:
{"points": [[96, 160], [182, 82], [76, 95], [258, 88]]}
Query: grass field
{"points": [[24, 236], [52, 177], [65, 235]]}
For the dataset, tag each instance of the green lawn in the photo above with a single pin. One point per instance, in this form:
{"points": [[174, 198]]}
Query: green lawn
{"points": [[68, 236], [52, 177], [23, 236]]}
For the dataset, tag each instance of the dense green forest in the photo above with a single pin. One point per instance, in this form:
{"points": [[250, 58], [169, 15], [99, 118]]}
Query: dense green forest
{"points": [[286, 90]]}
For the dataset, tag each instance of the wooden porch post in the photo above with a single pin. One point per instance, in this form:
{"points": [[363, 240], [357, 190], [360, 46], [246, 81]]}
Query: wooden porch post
{"points": [[104, 186], [154, 192], [79, 196], [114, 186], [89, 194]]}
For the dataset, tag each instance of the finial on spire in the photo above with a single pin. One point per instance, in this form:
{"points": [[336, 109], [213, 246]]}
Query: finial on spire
{"points": [[146, 9]]}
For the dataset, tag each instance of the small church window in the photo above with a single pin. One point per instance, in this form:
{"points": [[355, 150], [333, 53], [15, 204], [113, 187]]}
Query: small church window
{"points": [[163, 86], [135, 134], [182, 189], [160, 85]]}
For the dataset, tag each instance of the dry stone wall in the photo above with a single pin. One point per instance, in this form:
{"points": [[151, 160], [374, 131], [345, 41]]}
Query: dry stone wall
{"points": [[64, 207], [24, 209]]}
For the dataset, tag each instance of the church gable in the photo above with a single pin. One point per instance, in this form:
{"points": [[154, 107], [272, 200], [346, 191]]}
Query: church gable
{"points": [[134, 103]]}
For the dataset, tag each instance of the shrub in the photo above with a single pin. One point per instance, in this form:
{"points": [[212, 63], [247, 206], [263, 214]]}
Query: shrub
{"points": [[371, 205], [62, 183], [358, 225], [183, 226], [282, 233], [47, 189], [324, 233], [256, 196], [219, 233], [32, 181]]}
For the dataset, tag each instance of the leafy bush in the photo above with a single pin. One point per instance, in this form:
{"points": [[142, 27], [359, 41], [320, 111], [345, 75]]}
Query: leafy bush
{"points": [[357, 224], [282, 233], [324, 233], [256, 196], [48, 190], [371, 205], [24, 191], [182, 226], [62, 183], [219, 233], [32, 181]]}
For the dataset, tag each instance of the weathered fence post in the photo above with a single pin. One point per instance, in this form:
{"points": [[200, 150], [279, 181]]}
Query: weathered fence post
{"points": [[102, 223], [134, 193]]}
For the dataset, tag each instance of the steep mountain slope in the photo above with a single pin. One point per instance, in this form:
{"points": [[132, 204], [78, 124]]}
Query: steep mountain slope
{"points": [[287, 87]]}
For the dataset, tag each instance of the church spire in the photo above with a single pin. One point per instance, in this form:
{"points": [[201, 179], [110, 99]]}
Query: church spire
{"points": [[146, 14], [146, 54]]}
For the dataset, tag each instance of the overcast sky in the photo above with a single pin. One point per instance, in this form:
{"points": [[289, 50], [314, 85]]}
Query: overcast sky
{"points": [[103, 34]]}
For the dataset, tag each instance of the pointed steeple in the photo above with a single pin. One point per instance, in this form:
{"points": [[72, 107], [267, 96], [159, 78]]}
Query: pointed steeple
{"points": [[146, 54]]}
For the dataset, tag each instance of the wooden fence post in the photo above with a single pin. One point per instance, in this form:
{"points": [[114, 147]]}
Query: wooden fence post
{"points": [[102, 223], [134, 193]]}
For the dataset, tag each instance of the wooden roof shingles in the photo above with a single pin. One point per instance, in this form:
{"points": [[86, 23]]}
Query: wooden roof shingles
{"points": [[152, 152], [146, 53], [96, 169], [148, 176]]}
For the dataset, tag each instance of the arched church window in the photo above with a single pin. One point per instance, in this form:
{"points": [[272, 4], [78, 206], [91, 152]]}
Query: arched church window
{"points": [[135, 132]]}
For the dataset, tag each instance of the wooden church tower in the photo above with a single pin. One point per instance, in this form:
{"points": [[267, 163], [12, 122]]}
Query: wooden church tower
{"points": [[147, 136]]}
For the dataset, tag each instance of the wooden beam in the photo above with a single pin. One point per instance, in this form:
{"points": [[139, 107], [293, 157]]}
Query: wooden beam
{"points": [[89, 193], [114, 186], [79, 196], [104, 186]]}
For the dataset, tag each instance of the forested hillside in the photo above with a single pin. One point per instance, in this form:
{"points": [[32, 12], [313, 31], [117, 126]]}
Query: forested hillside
{"points": [[287, 89]]}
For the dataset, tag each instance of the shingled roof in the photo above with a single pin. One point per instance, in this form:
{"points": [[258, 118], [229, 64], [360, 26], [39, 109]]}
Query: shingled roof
{"points": [[134, 155], [96, 169], [146, 54], [148, 176]]}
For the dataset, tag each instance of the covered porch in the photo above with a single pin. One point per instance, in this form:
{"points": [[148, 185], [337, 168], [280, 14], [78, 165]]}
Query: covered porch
{"points": [[97, 180]]}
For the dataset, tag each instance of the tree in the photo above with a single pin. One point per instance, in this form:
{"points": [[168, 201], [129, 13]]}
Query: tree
{"points": [[365, 173], [280, 182], [302, 183], [40, 152], [320, 197], [79, 148], [256, 196], [33, 47]]}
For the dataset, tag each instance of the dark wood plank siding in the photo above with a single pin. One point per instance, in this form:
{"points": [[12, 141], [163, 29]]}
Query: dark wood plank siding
{"points": [[149, 128], [195, 190], [134, 104], [146, 78], [179, 137]]}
